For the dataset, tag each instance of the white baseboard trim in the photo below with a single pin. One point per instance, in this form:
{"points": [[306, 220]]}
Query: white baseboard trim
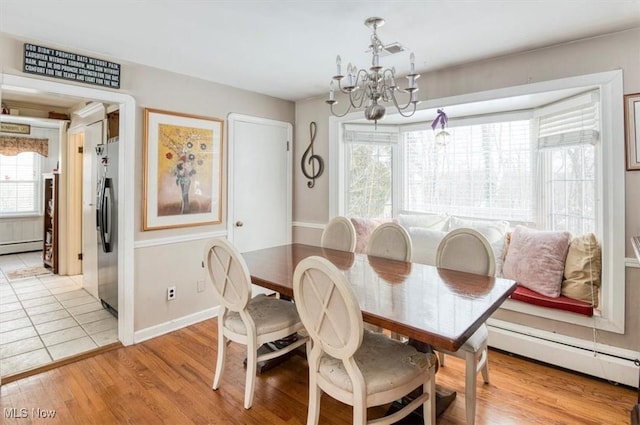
{"points": [[174, 325], [17, 247], [603, 361]]}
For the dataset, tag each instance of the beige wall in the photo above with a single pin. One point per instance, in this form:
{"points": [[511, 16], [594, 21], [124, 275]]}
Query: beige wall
{"points": [[158, 266], [606, 53], [164, 263]]}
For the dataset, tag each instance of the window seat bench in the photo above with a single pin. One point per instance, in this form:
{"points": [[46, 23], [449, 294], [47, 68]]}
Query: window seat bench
{"points": [[561, 303], [579, 268]]}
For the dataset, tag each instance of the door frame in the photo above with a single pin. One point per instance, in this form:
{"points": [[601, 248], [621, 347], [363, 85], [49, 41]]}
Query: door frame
{"points": [[232, 119], [126, 212]]}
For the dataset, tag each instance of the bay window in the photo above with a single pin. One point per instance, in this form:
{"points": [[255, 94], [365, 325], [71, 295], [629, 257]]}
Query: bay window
{"points": [[547, 155]]}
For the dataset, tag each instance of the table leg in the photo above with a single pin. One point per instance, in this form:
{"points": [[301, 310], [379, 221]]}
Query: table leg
{"points": [[266, 365], [444, 396]]}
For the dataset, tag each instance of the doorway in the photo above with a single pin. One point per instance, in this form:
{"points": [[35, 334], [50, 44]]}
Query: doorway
{"points": [[127, 158], [260, 174]]}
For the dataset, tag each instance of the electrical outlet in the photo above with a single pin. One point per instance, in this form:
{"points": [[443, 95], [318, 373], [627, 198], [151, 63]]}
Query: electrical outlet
{"points": [[171, 293], [201, 286]]}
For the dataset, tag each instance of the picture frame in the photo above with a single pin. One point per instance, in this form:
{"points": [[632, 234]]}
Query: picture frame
{"points": [[182, 170], [632, 130]]}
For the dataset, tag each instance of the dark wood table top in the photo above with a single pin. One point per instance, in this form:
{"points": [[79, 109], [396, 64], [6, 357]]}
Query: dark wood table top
{"points": [[433, 305]]}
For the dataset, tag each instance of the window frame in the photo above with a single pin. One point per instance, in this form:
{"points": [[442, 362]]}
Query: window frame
{"points": [[610, 188]]}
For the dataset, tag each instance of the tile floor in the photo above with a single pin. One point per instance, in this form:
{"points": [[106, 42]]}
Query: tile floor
{"points": [[47, 318]]}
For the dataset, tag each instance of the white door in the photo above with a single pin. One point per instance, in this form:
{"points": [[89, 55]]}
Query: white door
{"points": [[92, 138], [260, 182]]}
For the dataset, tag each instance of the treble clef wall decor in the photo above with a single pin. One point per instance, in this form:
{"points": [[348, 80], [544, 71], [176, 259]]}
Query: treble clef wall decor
{"points": [[312, 160]]}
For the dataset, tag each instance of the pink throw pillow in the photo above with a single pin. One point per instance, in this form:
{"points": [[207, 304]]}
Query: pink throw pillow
{"points": [[535, 259], [364, 227]]}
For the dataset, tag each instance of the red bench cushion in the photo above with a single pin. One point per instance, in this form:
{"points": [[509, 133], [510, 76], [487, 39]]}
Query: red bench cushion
{"points": [[561, 303]]}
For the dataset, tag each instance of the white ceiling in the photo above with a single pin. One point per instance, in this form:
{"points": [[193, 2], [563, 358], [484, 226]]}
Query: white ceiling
{"points": [[287, 48]]}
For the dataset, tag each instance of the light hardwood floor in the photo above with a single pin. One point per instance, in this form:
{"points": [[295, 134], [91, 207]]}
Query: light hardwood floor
{"points": [[167, 380]]}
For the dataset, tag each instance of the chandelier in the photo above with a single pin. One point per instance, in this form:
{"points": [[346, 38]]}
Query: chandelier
{"points": [[375, 86]]}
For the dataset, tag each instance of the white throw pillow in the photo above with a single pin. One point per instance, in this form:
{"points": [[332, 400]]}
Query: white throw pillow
{"points": [[425, 244], [493, 230], [427, 221]]}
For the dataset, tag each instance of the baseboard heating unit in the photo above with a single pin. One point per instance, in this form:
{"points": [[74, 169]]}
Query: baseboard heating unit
{"points": [[607, 362], [23, 246]]}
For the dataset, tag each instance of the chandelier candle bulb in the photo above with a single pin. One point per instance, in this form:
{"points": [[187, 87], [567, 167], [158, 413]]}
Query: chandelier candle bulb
{"points": [[350, 72], [412, 59], [338, 63], [331, 92]]}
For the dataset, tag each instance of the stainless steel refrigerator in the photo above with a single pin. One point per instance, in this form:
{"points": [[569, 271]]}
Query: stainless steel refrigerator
{"points": [[107, 224]]}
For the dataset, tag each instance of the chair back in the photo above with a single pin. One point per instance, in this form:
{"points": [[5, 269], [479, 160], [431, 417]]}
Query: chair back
{"points": [[228, 273], [390, 240], [328, 308], [339, 234], [466, 250]]}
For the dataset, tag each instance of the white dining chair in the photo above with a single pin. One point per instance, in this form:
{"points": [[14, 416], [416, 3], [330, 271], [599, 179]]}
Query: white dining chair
{"points": [[339, 234], [390, 240], [245, 320], [467, 250], [354, 366]]}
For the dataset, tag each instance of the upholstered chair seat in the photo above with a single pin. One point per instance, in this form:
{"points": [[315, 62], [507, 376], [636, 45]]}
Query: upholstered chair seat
{"points": [[268, 316], [382, 362]]}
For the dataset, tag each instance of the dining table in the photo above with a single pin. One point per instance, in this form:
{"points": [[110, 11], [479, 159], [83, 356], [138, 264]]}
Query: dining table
{"points": [[432, 307], [435, 306]]}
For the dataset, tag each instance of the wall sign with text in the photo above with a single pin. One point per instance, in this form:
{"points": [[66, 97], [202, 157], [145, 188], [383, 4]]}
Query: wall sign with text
{"points": [[70, 66], [8, 127]]}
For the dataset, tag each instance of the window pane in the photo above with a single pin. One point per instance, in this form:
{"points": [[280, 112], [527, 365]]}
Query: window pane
{"points": [[483, 171], [571, 189], [19, 183], [369, 181]]}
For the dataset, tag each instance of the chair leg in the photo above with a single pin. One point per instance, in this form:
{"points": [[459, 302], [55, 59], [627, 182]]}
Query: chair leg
{"points": [[470, 387], [252, 365], [313, 413], [441, 358], [359, 413], [429, 407], [222, 351], [485, 365]]}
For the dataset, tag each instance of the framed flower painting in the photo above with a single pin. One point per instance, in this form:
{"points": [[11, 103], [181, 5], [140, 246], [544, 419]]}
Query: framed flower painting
{"points": [[182, 170]]}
